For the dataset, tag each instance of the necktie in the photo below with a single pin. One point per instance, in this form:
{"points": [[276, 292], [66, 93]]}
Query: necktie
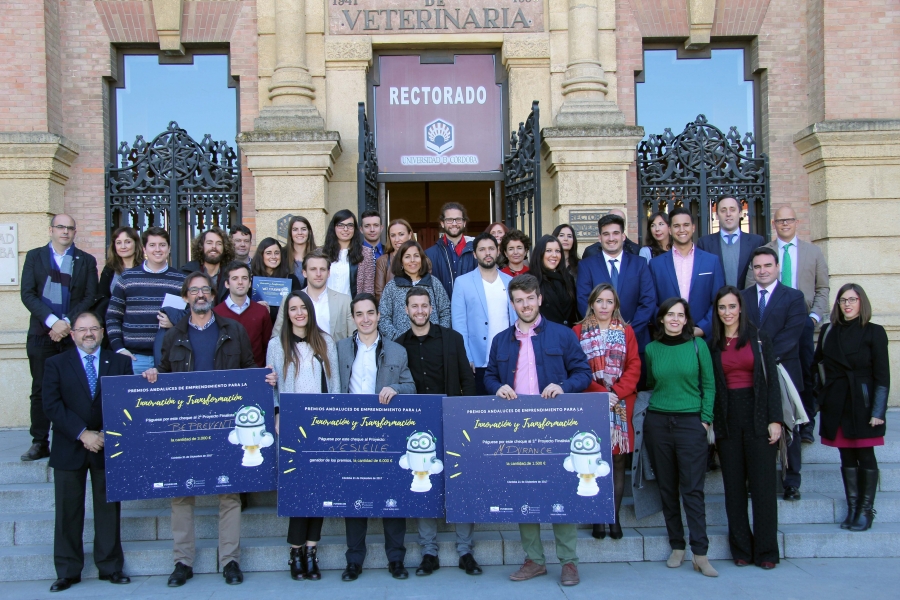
{"points": [[91, 373], [762, 303], [786, 275], [730, 237], [614, 273]]}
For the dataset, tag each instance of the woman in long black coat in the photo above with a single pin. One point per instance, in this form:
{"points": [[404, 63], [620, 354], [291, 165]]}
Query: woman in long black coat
{"points": [[853, 356], [557, 286]]}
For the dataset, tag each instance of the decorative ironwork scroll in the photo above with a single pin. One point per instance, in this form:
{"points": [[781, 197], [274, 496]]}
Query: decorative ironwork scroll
{"points": [[175, 183], [698, 167], [522, 172], [367, 167]]}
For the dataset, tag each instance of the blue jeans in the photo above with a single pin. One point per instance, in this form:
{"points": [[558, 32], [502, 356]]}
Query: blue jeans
{"points": [[142, 362]]}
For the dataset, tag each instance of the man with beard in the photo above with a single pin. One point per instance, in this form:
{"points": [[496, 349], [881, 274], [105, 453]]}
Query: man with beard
{"points": [[480, 308], [212, 250], [438, 363], [452, 255], [204, 341]]}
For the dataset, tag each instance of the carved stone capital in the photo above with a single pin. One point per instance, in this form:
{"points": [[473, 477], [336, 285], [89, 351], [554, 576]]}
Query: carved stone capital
{"points": [[167, 15], [701, 16], [526, 50], [348, 51]]}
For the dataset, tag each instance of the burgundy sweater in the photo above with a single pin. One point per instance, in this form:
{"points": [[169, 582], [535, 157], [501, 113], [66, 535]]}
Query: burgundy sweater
{"points": [[257, 322]]}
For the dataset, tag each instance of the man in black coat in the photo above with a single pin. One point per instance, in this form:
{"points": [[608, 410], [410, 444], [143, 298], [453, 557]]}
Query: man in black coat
{"points": [[73, 403], [58, 280], [780, 311], [439, 365]]}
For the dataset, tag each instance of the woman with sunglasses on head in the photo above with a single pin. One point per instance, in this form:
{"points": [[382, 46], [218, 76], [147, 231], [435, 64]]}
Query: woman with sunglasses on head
{"points": [[557, 286], [658, 239], [852, 355], [306, 362], [352, 264]]}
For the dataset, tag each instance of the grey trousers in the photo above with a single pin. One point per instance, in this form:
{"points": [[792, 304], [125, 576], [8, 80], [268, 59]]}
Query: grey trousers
{"points": [[428, 537], [229, 529]]}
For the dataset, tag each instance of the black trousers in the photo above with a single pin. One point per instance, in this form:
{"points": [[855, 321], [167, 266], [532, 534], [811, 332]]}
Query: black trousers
{"points": [[68, 550], [480, 390], [807, 353], [39, 348], [304, 529], [748, 457], [394, 536], [678, 452]]}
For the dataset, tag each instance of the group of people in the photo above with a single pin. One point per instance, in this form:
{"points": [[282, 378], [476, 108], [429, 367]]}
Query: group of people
{"points": [[702, 326]]}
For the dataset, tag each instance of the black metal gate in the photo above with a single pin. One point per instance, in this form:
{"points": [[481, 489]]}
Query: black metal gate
{"points": [[175, 183], [698, 167], [522, 173], [366, 166]]}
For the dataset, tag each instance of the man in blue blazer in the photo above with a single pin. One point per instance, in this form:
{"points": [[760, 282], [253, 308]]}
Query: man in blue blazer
{"points": [[731, 245], [780, 311], [688, 272], [627, 273], [480, 307]]}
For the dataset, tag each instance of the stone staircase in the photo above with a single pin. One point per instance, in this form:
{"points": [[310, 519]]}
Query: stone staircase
{"points": [[807, 528]]}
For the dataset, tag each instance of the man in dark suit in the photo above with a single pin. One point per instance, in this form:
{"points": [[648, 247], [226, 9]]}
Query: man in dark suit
{"points": [[58, 280], [688, 272], [780, 311], [731, 245], [73, 403], [629, 246], [627, 273]]}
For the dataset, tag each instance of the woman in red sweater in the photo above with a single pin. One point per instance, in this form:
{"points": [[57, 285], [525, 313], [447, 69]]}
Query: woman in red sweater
{"points": [[612, 353]]}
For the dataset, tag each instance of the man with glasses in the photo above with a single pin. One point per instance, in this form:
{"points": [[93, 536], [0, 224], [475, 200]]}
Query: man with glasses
{"points": [[452, 255], [58, 280], [204, 341], [803, 268]]}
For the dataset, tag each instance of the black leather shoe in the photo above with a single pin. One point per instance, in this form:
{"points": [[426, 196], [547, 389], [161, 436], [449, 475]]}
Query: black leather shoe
{"points": [[352, 572], [807, 437], [615, 531], [64, 583], [791, 493], [398, 571], [36, 452], [598, 531], [467, 562], [180, 575], [232, 573], [118, 578], [429, 565]]}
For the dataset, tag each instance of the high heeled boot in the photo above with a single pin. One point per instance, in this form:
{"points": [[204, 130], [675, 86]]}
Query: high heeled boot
{"points": [[868, 484], [851, 490], [312, 563], [297, 563]]}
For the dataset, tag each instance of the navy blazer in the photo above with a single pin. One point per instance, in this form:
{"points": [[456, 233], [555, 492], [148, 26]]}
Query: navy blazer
{"points": [[783, 319], [749, 242], [637, 296], [558, 357], [706, 279], [71, 408]]}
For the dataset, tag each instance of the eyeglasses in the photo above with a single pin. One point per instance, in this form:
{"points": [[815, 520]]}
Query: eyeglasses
{"points": [[785, 221], [848, 301], [452, 221], [83, 330], [193, 291], [344, 226], [62, 228]]}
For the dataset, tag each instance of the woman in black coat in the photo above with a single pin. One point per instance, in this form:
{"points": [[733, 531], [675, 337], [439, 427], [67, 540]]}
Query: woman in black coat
{"points": [[853, 357], [557, 287], [747, 422]]}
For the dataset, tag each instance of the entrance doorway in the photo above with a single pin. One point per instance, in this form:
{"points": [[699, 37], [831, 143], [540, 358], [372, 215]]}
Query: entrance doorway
{"points": [[420, 204]]}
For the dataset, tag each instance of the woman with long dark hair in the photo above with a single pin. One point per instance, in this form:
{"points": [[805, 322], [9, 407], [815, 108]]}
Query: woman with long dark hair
{"points": [[399, 232], [747, 423], [306, 362], [410, 270], [269, 261], [658, 238], [557, 286], [855, 376], [300, 242], [352, 264], [566, 236], [612, 352], [125, 252], [679, 371]]}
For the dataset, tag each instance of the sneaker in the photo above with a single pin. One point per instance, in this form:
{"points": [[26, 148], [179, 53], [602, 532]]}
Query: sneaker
{"points": [[529, 570]]}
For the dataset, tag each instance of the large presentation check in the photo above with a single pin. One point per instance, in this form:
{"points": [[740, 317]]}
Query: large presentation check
{"points": [[346, 455], [528, 460], [189, 434]]}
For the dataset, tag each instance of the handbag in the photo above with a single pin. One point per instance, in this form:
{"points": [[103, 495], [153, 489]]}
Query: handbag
{"points": [[710, 432]]}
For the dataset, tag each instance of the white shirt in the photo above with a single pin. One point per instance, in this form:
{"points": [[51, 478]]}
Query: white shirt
{"points": [[617, 258], [364, 369], [497, 311], [736, 233], [770, 290], [149, 270], [339, 278], [234, 307], [323, 314], [792, 252]]}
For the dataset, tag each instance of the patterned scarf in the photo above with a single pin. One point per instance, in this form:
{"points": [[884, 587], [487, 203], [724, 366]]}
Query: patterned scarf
{"points": [[605, 351], [56, 288]]}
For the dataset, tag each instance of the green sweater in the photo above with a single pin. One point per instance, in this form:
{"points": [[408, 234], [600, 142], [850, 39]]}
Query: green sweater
{"points": [[672, 375]]}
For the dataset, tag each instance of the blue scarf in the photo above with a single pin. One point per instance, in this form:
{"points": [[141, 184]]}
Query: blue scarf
{"points": [[56, 288]]}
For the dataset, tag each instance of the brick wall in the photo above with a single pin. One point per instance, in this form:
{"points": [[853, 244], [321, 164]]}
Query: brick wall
{"points": [[23, 87]]}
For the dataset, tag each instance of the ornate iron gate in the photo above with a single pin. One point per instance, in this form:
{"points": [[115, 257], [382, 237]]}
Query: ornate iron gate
{"points": [[522, 172], [367, 166], [698, 167], [175, 183]]}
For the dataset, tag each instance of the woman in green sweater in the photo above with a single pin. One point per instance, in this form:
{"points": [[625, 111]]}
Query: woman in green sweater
{"points": [[680, 373]]}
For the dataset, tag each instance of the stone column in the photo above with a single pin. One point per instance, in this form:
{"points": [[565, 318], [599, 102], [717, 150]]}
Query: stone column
{"points": [[854, 175], [34, 169]]}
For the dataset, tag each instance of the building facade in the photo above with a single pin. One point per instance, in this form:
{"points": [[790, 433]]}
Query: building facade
{"points": [[827, 112]]}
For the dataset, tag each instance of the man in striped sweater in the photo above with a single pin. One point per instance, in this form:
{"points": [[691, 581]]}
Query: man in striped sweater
{"points": [[133, 317]]}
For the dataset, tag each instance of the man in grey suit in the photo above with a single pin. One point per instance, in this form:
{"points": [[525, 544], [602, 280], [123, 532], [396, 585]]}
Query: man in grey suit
{"points": [[803, 268], [371, 365], [730, 244]]}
